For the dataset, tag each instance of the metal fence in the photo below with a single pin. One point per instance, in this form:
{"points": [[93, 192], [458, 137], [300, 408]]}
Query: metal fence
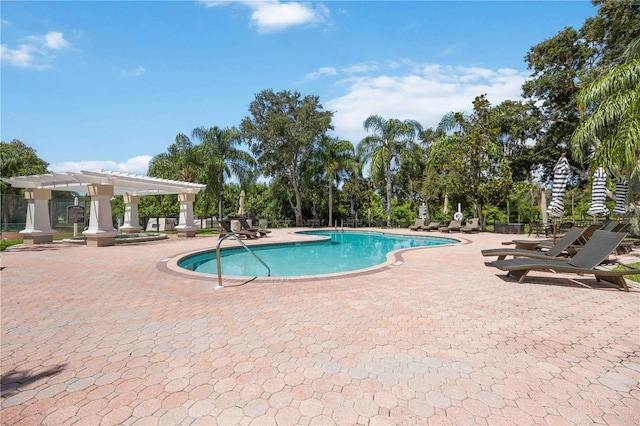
{"points": [[14, 212]]}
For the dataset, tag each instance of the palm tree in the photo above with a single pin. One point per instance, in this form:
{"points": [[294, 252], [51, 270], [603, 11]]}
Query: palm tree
{"points": [[219, 156], [178, 163], [613, 127], [388, 139], [336, 156]]}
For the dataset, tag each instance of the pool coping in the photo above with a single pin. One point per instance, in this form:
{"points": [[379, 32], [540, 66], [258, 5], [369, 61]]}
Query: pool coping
{"points": [[393, 259]]}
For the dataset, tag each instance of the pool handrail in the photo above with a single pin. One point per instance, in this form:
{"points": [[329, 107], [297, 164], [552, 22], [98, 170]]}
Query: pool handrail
{"points": [[220, 240]]}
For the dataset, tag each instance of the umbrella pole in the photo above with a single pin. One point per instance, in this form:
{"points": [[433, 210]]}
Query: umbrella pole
{"points": [[555, 228]]}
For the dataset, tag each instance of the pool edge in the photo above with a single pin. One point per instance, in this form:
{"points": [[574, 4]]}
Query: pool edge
{"points": [[170, 264]]}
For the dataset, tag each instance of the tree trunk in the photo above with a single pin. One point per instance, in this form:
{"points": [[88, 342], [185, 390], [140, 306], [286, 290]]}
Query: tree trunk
{"points": [[161, 202], [478, 208], [298, 207], [220, 195], [389, 194], [427, 218], [330, 203]]}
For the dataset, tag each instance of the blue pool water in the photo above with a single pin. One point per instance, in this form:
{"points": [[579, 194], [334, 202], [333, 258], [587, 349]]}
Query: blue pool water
{"points": [[346, 251]]}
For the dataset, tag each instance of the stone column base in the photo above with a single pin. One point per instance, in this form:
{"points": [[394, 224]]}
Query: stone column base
{"points": [[100, 240], [186, 232], [30, 238]]}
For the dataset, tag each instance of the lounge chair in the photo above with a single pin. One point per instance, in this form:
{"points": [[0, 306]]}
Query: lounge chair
{"points": [[454, 225], [471, 226], [588, 232], [226, 227], [573, 235], [417, 224], [432, 226], [587, 261], [246, 227], [608, 225]]}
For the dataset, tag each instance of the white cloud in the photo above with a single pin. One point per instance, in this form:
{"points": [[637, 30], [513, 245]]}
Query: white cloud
{"points": [[36, 53], [133, 73], [55, 40], [24, 56], [137, 165], [363, 68], [424, 94], [273, 15], [320, 72]]}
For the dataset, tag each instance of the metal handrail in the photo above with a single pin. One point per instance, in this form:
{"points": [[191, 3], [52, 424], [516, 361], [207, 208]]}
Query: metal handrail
{"points": [[231, 234]]}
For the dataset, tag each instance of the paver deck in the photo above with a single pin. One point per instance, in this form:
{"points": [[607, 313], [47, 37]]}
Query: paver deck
{"points": [[112, 336]]}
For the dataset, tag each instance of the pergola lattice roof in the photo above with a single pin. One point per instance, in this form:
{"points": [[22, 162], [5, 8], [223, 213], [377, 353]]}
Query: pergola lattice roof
{"points": [[123, 183]]}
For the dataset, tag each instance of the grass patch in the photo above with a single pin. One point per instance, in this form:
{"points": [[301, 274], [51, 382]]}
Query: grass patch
{"points": [[636, 277], [9, 242]]}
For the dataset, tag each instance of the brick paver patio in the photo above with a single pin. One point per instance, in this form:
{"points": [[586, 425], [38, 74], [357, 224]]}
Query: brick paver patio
{"points": [[113, 336]]}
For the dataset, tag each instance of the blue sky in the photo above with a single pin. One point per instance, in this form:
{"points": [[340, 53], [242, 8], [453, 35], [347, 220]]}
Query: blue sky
{"points": [[108, 85]]}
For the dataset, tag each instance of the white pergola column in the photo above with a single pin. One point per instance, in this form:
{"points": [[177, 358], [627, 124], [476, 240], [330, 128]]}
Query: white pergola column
{"points": [[187, 227], [101, 232], [131, 224], [38, 224]]}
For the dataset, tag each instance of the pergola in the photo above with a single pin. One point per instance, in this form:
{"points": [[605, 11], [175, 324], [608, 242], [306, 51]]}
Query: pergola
{"points": [[100, 186]]}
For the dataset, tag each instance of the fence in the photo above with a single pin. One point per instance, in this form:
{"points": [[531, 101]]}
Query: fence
{"points": [[14, 212]]}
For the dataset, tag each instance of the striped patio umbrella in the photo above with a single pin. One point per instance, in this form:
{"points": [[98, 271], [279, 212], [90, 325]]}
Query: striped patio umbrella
{"points": [[560, 178], [622, 190], [598, 194]]}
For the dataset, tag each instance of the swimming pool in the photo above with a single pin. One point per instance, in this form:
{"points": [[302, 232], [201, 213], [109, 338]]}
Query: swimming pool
{"points": [[341, 251]]}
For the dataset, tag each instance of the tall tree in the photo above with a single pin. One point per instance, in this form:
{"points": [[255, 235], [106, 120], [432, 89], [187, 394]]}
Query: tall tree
{"points": [[432, 182], [388, 138], [283, 132], [611, 130], [178, 163], [519, 124], [219, 156], [336, 156], [472, 156], [16, 159], [564, 63]]}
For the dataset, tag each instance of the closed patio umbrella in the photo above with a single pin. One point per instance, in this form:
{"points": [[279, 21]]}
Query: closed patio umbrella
{"points": [[560, 178], [598, 194], [622, 190], [445, 208], [241, 207]]}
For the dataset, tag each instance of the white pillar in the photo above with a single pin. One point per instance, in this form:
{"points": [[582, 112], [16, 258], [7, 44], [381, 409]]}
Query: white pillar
{"points": [[101, 231], [131, 224], [187, 227], [38, 224]]}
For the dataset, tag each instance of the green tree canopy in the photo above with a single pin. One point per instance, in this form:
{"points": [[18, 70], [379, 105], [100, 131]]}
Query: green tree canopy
{"points": [[219, 156], [178, 163], [471, 156], [283, 133], [388, 138], [335, 157], [18, 159], [571, 59], [611, 129]]}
